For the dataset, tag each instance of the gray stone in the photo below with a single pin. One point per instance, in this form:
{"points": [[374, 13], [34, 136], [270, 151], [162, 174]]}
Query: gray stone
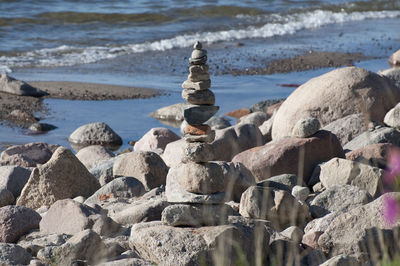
{"points": [[63, 176], [379, 135], [334, 95], [27, 155], [341, 260], [257, 118], [233, 140], [176, 193], [339, 198], [11, 254], [294, 233], [94, 155], [345, 172], [306, 127], [174, 152], [198, 114], [277, 206], [146, 166], [171, 112], [85, 246], [348, 127], [300, 193], [394, 59], [105, 168], [263, 105], [41, 127], [13, 178], [200, 138], [359, 230], [95, 134], [283, 182], [155, 139], [200, 85], [198, 53], [198, 77], [18, 87], [6, 197], [205, 178], [196, 215], [198, 152], [35, 241], [16, 221], [121, 187], [266, 129], [218, 122], [392, 118], [145, 211], [70, 217], [198, 69], [209, 245], [127, 262], [194, 96], [393, 74]]}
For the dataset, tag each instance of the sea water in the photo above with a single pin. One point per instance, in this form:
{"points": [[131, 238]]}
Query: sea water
{"points": [[147, 44]]}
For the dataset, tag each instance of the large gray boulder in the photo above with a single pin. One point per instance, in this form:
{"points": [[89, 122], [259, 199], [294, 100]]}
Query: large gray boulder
{"points": [[95, 134], [94, 155], [232, 140], [13, 178], [28, 155], [155, 140], [63, 176], [277, 206], [256, 118], [18, 87], [284, 156], [146, 166], [143, 211], [394, 59], [232, 180], [339, 171], [16, 221], [209, 245], [348, 127], [11, 254], [85, 245], [393, 74], [121, 187], [339, 198], [379, 135], [359, 230], [6, 197], [70, 217], [334, 95]]}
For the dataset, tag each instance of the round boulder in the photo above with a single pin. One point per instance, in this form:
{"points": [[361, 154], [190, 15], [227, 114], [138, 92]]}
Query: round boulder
{"points": [[306, 127], [394, 59], [95, 134], [334, 95]]}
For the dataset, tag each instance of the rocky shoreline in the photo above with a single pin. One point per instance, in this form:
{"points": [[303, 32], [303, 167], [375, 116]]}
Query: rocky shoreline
{"points": [[298, 182]]}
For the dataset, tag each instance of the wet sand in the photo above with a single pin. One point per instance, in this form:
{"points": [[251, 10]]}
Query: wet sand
{"points": [[308, 61], [33, 106]]}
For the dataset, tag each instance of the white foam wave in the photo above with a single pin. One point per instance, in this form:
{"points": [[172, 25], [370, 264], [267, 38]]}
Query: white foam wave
{"points": [[281, 25], [5, 70]]}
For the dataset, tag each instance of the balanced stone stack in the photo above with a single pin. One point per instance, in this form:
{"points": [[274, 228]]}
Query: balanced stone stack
{"points": [[197, 185], [200, 108]]}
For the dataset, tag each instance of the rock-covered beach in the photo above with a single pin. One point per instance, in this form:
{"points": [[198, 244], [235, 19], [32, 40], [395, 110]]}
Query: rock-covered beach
{"points": [[299, 181]]}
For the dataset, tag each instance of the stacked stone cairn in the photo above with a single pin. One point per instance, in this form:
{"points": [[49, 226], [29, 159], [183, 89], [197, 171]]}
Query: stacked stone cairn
{"points": [[196, 186]]}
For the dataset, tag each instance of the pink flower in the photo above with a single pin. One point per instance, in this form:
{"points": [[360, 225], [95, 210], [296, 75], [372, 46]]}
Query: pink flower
{"points": [[393, 168], [391, 209]]}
